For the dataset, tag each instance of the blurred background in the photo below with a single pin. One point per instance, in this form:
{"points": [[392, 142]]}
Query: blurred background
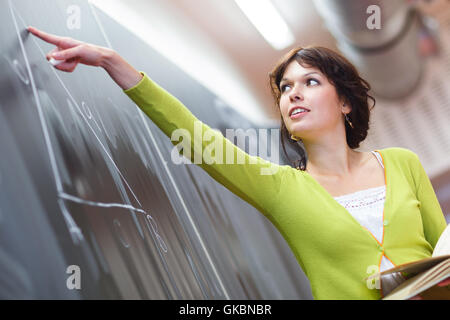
{"points": [[231, 46]]}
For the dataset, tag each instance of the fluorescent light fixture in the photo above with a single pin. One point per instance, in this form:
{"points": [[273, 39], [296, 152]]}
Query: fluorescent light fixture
{"points": [[268, 21], [174, 38]]}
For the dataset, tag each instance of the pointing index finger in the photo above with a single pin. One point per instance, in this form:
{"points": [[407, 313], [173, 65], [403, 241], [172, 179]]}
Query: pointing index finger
{"points": [[56, 40]]}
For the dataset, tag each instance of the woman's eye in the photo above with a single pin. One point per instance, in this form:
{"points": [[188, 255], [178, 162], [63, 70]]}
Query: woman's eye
{"points": [[313, 82], [309, 82], [283, 87]]}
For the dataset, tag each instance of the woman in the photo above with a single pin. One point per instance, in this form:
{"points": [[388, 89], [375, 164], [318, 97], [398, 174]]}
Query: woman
{"points": [[323, 102]]}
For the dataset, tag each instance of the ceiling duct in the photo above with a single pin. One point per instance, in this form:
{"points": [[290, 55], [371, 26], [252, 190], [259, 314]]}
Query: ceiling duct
{"points": [[386, 54]]}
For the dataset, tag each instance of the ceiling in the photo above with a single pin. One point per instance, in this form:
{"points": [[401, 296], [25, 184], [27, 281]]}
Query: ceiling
{"points": [[214, 42], [224, 23], [236, 59]]}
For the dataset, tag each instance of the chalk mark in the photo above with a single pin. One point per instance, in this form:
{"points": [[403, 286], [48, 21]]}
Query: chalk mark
{"points": [[75, 232], [172, 180]]}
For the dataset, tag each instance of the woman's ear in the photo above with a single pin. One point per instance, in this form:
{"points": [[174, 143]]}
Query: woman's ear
{"points": [[345, 106]]}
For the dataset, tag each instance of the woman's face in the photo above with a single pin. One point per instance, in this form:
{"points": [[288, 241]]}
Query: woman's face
{"points": [[308, 88]]}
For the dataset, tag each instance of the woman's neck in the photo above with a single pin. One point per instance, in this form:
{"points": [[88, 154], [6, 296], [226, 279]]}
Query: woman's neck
{"points": [[333, 160]]}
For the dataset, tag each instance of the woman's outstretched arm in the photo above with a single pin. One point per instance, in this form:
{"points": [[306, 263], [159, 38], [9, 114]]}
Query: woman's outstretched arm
{"points": [[252, 178]]}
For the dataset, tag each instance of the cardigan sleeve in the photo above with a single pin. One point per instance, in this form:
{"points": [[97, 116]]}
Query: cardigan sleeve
{"points": [[252, 178], [432, 216]]}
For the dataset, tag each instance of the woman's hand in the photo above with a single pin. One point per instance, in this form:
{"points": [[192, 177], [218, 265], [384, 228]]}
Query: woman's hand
{"points": [[443, 283], [72, 52]]}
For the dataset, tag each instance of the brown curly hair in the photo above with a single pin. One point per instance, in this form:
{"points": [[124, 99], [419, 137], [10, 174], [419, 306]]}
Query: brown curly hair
{"points": [[350, 87]]}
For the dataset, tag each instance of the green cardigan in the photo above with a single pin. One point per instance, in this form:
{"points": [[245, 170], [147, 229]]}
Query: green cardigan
{"points": [[333, 249]]}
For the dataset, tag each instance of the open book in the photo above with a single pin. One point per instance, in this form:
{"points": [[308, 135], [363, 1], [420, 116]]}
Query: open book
{"points": [[423, 275]]}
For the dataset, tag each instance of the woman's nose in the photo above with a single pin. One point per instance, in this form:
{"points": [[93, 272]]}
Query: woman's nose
{"points": [[295, 95]]}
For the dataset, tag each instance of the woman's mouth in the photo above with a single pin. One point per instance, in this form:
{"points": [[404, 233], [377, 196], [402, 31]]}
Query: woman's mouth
{"points": [[298, 112]]}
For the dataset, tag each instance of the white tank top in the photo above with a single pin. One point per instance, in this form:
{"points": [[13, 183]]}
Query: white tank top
{"points": [[366, 206]]}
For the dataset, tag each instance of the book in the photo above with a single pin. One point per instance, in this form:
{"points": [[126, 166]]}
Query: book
{"points": [[423, 276]]}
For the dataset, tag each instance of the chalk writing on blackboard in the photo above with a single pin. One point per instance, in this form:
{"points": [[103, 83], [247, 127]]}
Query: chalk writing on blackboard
{"points": [[154, 227], [19, 70], [119, 233], [86, 115], [75, 232]]}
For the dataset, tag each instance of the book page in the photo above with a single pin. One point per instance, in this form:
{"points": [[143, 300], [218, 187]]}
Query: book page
{"points": [[420, 282], [443, 245]]}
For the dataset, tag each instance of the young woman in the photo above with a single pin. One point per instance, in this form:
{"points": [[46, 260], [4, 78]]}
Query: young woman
{"points": [[344, 213]]}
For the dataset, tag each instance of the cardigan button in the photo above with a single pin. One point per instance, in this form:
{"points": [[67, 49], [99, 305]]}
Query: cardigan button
{"points": [[386, 222]]}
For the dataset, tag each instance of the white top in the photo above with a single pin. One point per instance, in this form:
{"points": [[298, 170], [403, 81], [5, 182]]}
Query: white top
{"points": [[366, 206]]}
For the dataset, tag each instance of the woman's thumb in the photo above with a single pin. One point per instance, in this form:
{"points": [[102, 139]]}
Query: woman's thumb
{"points": [[66, 54]]}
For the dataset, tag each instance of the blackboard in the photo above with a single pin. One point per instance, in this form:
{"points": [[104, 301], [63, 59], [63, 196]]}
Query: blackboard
{"points": [[88, 188]]}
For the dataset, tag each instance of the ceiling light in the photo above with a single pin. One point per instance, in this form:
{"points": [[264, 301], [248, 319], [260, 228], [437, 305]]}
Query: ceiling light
{"points": [[268, 21]]}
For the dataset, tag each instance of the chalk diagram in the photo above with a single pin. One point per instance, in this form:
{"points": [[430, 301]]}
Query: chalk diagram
{"points": [[26, 76]]}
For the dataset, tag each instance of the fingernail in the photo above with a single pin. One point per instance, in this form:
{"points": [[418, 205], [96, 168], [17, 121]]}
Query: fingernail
{"points": [[56, 55]]}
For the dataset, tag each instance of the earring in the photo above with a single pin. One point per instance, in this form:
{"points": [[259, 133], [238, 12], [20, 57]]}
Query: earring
{"points": [[348, 120], [294, 138], [299, 165]]}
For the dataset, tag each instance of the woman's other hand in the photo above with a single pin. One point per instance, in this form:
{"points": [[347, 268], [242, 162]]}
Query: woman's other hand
{"points": [[443, 283]]}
